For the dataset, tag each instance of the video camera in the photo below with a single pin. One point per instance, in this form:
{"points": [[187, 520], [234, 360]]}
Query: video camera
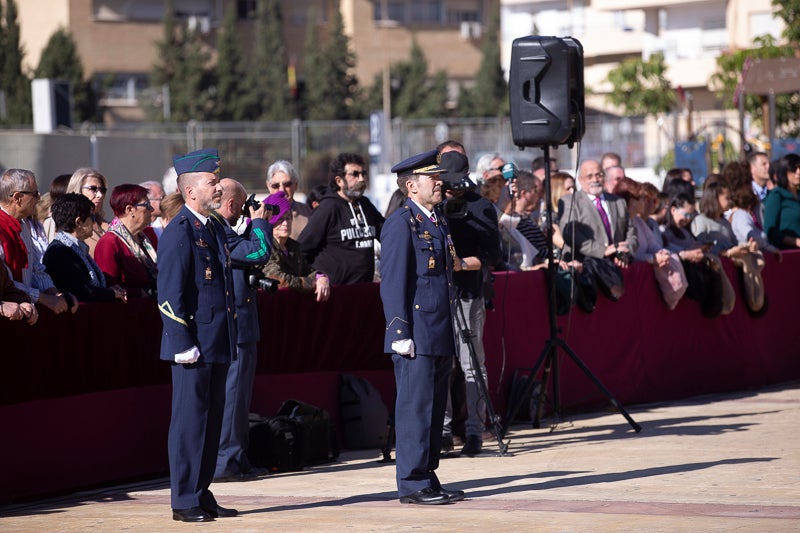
{"points": [[257, 280], [251, 204], [464, 184]]}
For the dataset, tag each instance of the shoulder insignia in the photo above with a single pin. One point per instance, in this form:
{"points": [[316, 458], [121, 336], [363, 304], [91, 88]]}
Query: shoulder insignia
{"points": [[419, 218]]}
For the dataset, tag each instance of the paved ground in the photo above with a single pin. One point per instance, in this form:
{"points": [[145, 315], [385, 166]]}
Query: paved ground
{"points": [[714, 463]]}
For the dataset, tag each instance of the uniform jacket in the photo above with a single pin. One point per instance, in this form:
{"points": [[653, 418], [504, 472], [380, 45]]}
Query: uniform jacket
{"points": [[248, 325], [417, 281], [195, 285], [590, 234]]}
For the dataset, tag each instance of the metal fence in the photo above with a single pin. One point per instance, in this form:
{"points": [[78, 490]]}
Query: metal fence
{"points": [[139, 151]]}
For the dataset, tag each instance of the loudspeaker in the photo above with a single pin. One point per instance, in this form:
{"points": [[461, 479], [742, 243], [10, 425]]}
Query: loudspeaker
{"points": [[546, 92]]}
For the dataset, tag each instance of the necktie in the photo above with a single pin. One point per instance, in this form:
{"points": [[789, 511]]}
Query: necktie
{"points": [[433, 218], [603, 216], [211, 230], [756, 221]]}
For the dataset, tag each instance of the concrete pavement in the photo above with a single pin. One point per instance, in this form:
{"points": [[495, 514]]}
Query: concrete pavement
{"points": [[726, 462]]}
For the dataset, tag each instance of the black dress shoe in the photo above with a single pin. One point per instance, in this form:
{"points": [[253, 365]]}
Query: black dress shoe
{"points": [[473, 446], [426, 496], [452, 495], [222, 512], [192, 514]]}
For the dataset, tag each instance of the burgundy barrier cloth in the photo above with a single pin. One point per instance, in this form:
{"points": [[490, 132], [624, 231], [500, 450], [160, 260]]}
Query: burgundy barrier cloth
{"points": [[639, 349], [84, 398]]}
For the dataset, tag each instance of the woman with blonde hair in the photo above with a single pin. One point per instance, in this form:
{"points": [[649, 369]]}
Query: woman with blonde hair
{"points": [[93, 185]]}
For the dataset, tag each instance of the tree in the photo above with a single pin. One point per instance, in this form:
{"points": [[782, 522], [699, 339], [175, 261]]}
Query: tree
{"points": [[192, 98], [489, 96], [267, 94], [728, 76], [789, 12], [169, 47], [640, 87], [229, 71], [413, 96], [183, 68], [13, 82], [331, 85], [60, 60]]}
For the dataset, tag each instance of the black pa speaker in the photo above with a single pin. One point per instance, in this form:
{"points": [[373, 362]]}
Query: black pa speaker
{"points": [[546, 91]]}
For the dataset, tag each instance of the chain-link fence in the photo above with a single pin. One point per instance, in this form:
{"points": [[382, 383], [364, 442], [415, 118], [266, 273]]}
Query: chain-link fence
{"points": [[134, 151]]}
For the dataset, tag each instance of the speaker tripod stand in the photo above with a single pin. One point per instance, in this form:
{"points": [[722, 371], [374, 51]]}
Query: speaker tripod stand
{"points": [[549, 355]]}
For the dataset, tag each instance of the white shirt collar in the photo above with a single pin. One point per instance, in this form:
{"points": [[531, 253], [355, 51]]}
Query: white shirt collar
{"points": [[201, 218], [425, 211]]}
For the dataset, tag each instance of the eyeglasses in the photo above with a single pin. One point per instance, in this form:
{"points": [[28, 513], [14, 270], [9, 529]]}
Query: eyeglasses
{"points": [[35, 194], [156, 199], [358, 173], [284, 185], [689, 215], [596, 175], [95, 189], [145, 205], [497, 169]]}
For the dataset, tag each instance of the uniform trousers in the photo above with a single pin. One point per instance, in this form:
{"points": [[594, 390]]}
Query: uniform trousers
{"points": [[419, 415], [475, 314], [198, 400], [231, 459]]}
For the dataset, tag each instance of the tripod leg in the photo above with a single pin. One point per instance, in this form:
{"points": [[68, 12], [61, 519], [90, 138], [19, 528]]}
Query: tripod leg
{"points": [[477, 373], [549, 349], [600, 386]]}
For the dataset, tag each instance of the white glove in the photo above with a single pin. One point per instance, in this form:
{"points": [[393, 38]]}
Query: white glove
{"points": [[404, 347], [188, 357]]}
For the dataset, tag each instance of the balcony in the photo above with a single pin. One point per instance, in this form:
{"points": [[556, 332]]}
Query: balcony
{"points": [[623, 5]]}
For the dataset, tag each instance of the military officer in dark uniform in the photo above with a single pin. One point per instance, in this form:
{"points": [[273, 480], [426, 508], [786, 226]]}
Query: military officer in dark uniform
{"points": [[417, 262], [196, 300]]}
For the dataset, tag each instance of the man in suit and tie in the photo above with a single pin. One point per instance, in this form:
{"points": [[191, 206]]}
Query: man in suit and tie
{"points": [[596, 225], [196, 300], [417, 263]]}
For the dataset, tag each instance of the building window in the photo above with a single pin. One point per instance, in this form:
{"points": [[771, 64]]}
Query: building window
{"points": [[427, 11], [147, 10], [395, 10], [246, 9], [120, 86]]}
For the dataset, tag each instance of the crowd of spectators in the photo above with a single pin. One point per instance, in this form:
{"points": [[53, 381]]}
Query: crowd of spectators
{"points": [[602, 220]]}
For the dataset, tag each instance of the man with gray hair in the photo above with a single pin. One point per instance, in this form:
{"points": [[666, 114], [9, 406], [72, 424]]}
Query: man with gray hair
{"points": [[21, 251], [282, 176], [155, 193]]}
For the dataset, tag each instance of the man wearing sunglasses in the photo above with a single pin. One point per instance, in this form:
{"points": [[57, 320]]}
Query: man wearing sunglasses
{"points": [[340, 235], [21, 250]]}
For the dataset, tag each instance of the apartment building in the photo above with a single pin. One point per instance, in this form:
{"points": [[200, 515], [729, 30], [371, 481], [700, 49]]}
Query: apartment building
{"points": [[116, 38], [690, 33]]}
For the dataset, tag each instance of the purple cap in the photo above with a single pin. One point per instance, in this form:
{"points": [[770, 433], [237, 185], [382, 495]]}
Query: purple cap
{"points": [[283, 203]]}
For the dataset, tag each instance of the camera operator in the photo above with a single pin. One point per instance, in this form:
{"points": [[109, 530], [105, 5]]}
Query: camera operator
{"points": [[232, 463], [286, 263], [473, 226]]}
